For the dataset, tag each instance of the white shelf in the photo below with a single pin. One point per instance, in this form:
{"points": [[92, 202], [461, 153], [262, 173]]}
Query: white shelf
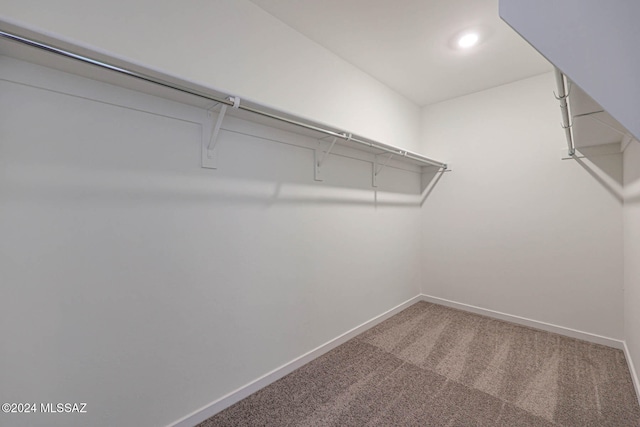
{"points": [[591, 125]]}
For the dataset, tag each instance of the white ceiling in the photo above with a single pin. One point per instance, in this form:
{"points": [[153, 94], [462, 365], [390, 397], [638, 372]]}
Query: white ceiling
{"points": [[406, 44]]}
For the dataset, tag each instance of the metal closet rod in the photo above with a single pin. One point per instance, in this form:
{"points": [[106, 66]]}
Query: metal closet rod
{"points": [[140, 76], [562, 96]]}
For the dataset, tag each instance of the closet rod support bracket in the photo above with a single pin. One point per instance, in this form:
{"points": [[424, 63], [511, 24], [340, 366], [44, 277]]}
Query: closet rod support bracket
{"points": [[209, 148], [377, 167], [319, 158]]}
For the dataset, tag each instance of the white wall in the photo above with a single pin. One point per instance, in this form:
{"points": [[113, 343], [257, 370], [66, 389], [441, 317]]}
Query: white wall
{"points": [[594, 42], [233, 46], [632, 255], [148, 287], [513, 228]]}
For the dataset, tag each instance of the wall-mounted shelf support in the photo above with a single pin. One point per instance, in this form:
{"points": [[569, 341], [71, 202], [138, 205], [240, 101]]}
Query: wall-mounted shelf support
{"points": [[626, 141], [210, 152], [318, 159], [376, 169]]}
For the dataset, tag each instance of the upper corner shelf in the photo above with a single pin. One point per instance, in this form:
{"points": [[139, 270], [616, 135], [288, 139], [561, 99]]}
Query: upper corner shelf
{"points": [[586, 123]]}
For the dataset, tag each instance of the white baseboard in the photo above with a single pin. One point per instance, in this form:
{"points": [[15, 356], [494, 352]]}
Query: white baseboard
{"points": [[632, 370], [235, 396], [573, 333]]}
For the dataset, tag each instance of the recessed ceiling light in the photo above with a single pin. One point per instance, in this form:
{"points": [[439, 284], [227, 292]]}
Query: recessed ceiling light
{"points": [[468, 40]]}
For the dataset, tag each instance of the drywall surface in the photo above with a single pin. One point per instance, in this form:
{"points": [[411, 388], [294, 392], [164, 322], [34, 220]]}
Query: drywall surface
{"points": [[513, 228], [632, 252], [147, 287], [591, 41], [233, 46]]}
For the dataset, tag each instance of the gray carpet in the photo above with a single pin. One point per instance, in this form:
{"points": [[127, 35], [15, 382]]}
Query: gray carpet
{"points": [[435, 366]]}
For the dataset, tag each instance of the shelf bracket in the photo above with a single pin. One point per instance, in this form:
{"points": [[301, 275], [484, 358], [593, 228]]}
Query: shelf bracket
{"points": [[209, 148], [376, 169], [319, 158]]}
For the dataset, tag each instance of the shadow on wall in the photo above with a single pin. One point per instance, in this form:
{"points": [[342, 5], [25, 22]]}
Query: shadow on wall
{"points": [[135, 187], [278, 157]]}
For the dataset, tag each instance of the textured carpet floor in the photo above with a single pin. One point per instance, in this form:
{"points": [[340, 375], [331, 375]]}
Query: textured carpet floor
{"points": [[434, 366]]}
